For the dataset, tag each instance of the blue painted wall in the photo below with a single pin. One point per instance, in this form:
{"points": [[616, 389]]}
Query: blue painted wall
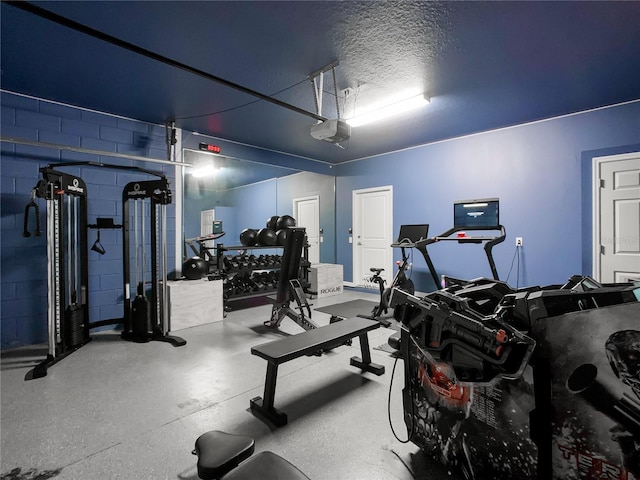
{"points": [[541, 172], [23, 278], [538, 172]]}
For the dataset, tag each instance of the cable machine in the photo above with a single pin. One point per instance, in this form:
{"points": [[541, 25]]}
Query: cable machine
{"points": [[146, 316], [67, 276]]}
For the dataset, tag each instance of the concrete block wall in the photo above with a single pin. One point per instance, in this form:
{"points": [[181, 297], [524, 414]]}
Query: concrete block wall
{"points": [[23, 273]]}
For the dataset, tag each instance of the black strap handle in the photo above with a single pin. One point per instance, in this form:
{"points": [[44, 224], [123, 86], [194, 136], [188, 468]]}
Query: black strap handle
{"points": [[32, 204]]}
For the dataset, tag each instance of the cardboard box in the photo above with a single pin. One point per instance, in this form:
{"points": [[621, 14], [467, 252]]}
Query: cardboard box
{"points": [[195, 302], [325, 279]]}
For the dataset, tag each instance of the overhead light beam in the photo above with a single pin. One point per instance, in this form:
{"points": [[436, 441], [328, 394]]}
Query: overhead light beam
{"points": [[390, 110]]}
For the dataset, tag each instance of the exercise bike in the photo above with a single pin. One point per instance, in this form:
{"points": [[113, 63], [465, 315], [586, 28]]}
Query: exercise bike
{"points": [[408, 237], [400, 280]]}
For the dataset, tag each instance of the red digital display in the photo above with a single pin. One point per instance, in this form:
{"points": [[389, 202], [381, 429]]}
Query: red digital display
{"points": [[209, 148]]}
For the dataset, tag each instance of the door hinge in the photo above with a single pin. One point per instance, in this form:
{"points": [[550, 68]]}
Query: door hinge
{"points": [[601, 249], [602, 183]]}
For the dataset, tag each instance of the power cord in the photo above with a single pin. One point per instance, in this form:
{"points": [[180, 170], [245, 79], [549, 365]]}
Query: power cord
{"points": [[410, 437], [516, 255], [241, 106], [518, 268]]}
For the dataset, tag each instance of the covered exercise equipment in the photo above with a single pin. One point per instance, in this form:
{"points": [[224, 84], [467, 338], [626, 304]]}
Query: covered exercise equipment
{"points": [[289, 286], [508, 410], [146, 316]]}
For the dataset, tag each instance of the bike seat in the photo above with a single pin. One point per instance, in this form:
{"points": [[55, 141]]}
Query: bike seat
{"points": [[376, 270], [219, 453], [221, 456]]}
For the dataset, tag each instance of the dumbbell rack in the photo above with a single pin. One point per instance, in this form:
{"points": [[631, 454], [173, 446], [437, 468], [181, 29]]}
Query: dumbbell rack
{"points": [[249, 278]]}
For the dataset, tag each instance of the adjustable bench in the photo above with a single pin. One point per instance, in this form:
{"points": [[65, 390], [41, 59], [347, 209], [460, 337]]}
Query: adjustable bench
{"points": [[308, 343]]}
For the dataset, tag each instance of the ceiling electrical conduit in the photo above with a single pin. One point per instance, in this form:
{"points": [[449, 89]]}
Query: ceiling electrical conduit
{"points": [[54, 17]]}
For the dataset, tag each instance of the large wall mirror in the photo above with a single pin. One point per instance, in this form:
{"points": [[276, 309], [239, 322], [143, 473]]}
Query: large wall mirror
{"points": [[245, 194]]}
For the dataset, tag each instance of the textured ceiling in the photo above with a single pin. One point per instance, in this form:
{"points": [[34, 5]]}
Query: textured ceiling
{"points": [[485, 65]]}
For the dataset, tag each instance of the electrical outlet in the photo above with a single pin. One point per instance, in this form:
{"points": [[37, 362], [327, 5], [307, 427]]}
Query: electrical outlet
{"points": [[518, 241]]}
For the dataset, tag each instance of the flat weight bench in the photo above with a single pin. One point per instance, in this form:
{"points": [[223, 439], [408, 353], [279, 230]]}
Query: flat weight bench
{"points": [[221, 456], [306, 343]]}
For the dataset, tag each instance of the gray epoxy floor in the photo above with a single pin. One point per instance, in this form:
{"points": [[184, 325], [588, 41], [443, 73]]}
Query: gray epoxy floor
{"points": [[121, 410]]}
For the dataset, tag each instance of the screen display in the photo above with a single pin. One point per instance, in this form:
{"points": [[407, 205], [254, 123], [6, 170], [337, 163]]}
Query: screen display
{"points": [[482, 213], [412, 233]]}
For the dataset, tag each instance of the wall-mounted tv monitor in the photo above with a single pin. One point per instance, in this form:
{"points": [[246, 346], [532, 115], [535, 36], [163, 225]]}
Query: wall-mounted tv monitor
{"points": [[478, 213]]}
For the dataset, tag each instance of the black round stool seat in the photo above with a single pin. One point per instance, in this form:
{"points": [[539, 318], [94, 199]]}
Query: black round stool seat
{"points": [[219, 452], [394, 341], [266, 465]]}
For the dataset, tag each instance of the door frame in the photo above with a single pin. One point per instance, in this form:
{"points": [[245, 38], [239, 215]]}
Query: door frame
{"points": [[354, 213], [298, 200], [595, 207], [208, 243]]}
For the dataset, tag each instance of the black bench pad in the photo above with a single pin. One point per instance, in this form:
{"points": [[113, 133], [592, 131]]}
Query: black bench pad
{"points": [[323, 338], [309, 342], [266, 465], [220, 452]]}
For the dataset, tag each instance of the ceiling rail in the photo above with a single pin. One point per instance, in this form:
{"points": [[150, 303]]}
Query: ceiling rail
{"points": [[59, 19], [35, 143]]}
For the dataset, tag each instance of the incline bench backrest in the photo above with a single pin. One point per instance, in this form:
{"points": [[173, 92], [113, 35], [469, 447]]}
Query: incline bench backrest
{"points": [[290, 266]]}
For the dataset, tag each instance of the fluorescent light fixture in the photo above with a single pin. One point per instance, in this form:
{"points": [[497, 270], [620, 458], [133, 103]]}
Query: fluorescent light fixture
{"points": [[388, 110], [205, 171]]}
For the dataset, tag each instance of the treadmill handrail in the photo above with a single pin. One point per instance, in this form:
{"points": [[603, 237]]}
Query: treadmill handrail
{"points": [[446, 235], [490, 243]]}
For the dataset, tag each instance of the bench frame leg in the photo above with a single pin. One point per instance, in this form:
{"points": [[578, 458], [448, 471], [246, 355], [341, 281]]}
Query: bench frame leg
{"points": [[365, 363], [263, 407]]}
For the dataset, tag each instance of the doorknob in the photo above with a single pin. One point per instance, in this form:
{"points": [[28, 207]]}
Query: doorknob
{"points": [[359, 243]]}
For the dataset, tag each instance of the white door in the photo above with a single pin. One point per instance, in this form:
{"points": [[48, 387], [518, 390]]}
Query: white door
{"points": [[307, 214], [617, 218], [372, 233], [206, 225]]}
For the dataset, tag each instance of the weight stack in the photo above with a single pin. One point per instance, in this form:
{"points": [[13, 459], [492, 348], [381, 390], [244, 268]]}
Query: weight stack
{"points": [[74, 326], [141, 318]]}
